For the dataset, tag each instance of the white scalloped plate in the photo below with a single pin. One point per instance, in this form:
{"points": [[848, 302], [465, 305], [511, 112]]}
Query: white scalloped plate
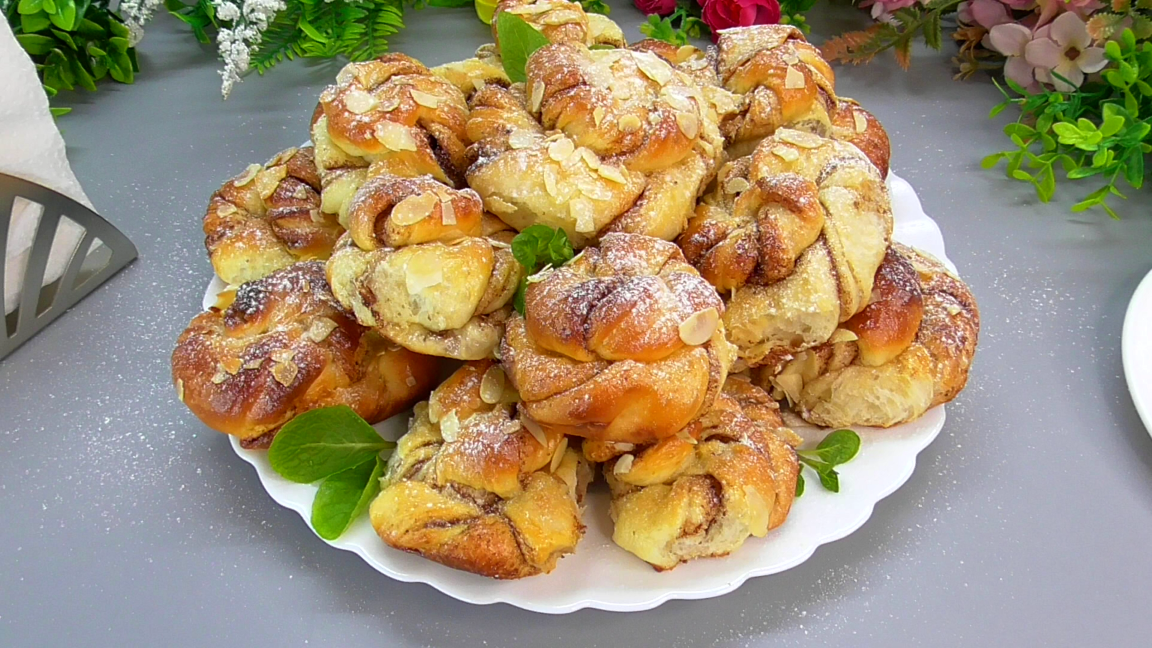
{"points": [[1136, 349], [603, 576]]}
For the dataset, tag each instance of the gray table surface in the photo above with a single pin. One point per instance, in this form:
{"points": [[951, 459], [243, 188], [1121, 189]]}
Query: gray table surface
{"points": [[125, 522]]}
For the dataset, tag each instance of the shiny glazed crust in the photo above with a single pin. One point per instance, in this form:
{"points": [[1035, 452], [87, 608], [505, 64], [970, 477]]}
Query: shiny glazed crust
{"points": [[729, 475], [601, 351], [285, 346], [886, 376], [470, 487], [269, 217], [794, 235]]}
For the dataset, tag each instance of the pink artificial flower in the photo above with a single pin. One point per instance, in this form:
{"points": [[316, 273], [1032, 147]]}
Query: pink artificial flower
{"points": [[986, 13], [1021, 5], [1065, 50], [722, 14], [659, 7], [1011, 40], [881, 8], [1049, 9]]}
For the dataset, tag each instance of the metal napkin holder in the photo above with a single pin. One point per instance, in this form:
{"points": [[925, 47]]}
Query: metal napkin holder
{"points": [[89, 266]]}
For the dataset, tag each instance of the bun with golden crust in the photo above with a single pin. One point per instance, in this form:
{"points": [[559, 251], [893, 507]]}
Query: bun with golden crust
{"points": [[597, 141], [286, 346], [268, 218], [906, 352], [793, 234], [786, 83], [424, 266], [729, 475], [624, 343], [472, 488], [562, 22]]}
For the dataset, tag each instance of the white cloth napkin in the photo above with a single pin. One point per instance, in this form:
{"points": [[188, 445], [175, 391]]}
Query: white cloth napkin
{"points": [[31, 148]]}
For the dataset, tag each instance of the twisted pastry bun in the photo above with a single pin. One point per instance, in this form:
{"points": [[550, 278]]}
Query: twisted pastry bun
{"points": [[794, 234], [624, 343], [597, 141], [268, 218], [393, 114], [729, 475], [423, 265], [906, 352], [562, 22], [473, 74], [787, 83], [286, 346], [470, 487]]}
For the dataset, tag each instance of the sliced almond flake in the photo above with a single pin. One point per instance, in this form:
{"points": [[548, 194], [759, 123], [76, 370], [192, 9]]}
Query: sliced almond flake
{"points": [[346, 73], [535, 430], [697, 63], [320, 329], [232, 365], [478, 84], [593, 188], [513, 427], [389, 104], [590, 158], [530, 9], [953, 309], [328, 95], [282, 355], [550, 181], [794, 79], [561, 149], [537, 96], [410, 381], [861, 122], [843, 335], [413, 209], [685, 51], [688, 123], [623, 465], [300, 193], [219, 377], [359, 102], [249, 175], [421, 273], [434, 409], [425, 99], [285, 372], [283, 156], [267, 181], [447, 212], [227, 209], [180, 389], [558, 456], [678, 101], [395, 137], [699, 326], [622, 92], [736, 185], [684, 436], [521, 139], [609, 172], [499, 206], [540, 275], [654, 118], [598, 115], [316, 215], [450, 427], [629, 123], [791, 58], [653, 67], [492, 385], [705, 146], [799, 138], [785, 153], [254, 363], [623, 447]]}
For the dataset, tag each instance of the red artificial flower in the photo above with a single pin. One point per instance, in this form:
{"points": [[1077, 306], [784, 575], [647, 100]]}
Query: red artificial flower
{"points": [[659, 7], [722, 14]]}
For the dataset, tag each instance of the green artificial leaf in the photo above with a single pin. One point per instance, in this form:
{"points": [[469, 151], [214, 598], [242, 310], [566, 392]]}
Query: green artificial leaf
{"points": [[311, 31], [343, 496], [595, 6], [65, 38], [518, 40], [57, 112], [29, 6], [1134, 168], [30, 23], [1112, 50], [991, 160], [90, 29], [1111, 125], [661, 29], [35, 44], [322, 442], [65, 16], [799, 484]]}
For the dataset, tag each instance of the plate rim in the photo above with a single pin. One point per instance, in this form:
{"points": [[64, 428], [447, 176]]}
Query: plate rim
{"points": [[1130, 342], [283, 498]]}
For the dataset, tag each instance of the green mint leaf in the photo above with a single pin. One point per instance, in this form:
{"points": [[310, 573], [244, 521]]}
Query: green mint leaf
{"points": [[322, 442], [839, 447], [540, 245], [829, 480], [518, 298], [799, 484], [661, 29], [596, 6], [518, 40], [343, 497]]}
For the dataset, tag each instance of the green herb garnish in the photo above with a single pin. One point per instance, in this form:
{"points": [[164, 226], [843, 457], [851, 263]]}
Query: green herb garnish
{"points": [[322, 442], [535, 248], [344, 496], [837, 448], [518, 40], [678, 27]]}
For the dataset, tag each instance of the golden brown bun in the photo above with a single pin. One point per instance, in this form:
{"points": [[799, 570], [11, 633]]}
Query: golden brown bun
{"points": [[286, 346], [623, 343], [425, 267], [887, 377], [727, 476], [469, 487], [562, 22], [597, 141], [786, 83], [473, 74], [794, 234], [268, 218]]}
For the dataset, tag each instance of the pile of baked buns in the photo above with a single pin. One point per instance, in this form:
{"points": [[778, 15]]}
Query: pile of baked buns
{"points": [[734, 253]]}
